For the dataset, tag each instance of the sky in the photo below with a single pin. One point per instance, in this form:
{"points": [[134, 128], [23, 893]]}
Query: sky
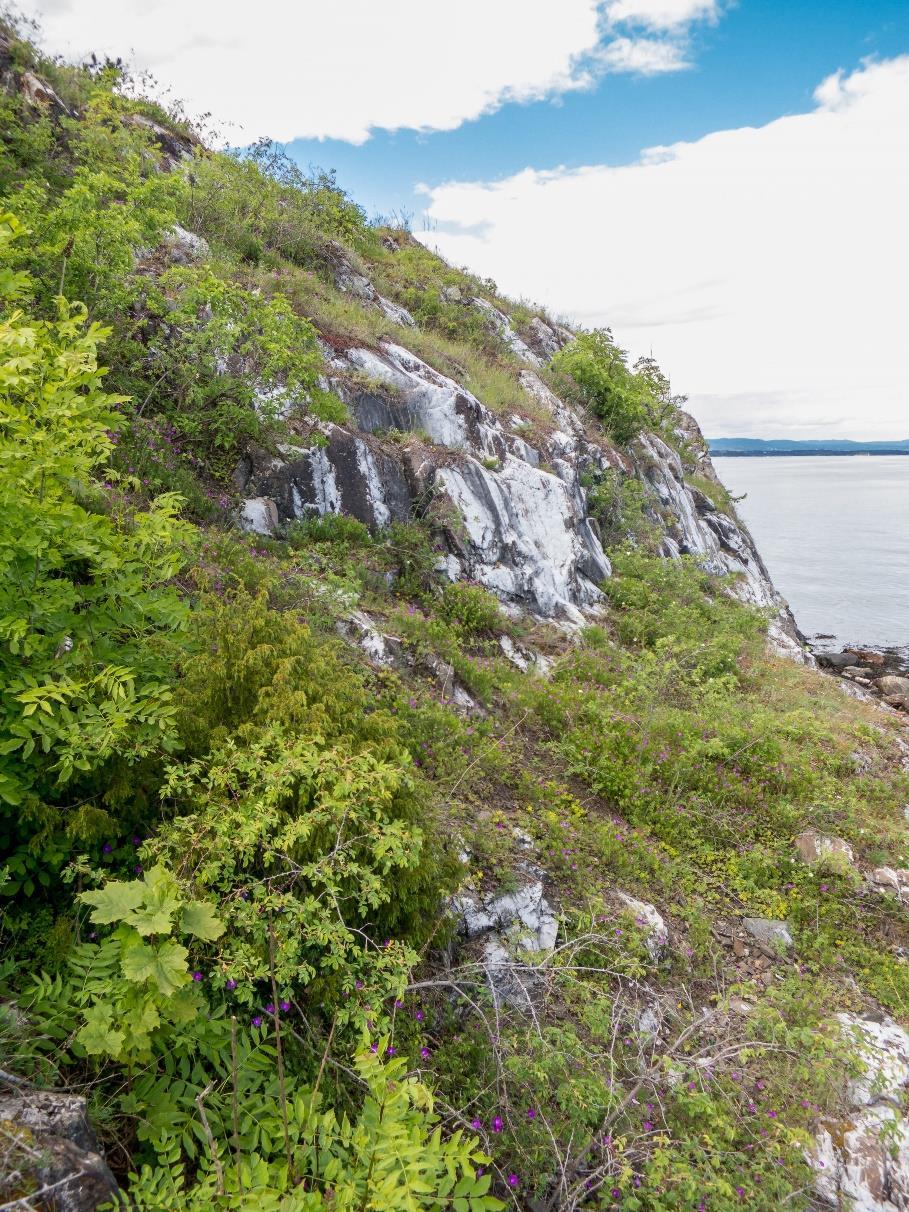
{"points": [[724, 183]]}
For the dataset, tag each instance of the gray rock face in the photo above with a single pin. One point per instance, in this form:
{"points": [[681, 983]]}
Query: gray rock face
{"points": [[863, 1162], [501, 323], [721, 544], [55, 1147], [772, 937], [509, 924], [545, 339], [510, 516], [351, 281], [511, 526]]}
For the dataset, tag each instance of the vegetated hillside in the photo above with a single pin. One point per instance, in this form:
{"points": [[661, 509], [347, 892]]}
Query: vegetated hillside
{"points": [[400, 804]]}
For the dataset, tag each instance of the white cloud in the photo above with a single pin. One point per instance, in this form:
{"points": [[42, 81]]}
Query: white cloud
{"points": [[337, 69], [766, 268], [661, 14], [643, 56], [341, 69]]}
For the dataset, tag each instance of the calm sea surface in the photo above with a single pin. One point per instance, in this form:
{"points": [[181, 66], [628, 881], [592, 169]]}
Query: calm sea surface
{"points": [[834, 533]]}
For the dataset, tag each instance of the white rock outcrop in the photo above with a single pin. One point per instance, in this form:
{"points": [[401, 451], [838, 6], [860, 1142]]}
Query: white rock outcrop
{"points": [[862, 1162]]}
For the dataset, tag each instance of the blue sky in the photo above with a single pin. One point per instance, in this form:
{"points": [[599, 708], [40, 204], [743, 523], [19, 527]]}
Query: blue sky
{"points": [[762, 59], [760, 255]]}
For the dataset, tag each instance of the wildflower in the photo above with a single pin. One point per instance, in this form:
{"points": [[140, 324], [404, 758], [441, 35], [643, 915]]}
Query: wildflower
{"points": [[270, 1008], [424, 1052], [137, 841], [231, 985], [374, 1047], [497, 1124], [512, 1180], [197, 976], [285, 1006], [398, 1003], [138, 868], [358, 984], [648, 1126], [419, 1016], [531, 1113], [616, 1192], [824, 887], [390, 1051], [106, 848], [257, 1020], [477, 1125]]}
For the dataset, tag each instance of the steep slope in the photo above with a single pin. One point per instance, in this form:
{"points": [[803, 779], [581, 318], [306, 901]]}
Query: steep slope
{"points": [[391, 737]]}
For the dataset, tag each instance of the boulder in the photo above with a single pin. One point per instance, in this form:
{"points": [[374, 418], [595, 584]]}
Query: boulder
{"points": [[53, 1147], [836, 660], [894, 687], [814, 847], [182, 247]]}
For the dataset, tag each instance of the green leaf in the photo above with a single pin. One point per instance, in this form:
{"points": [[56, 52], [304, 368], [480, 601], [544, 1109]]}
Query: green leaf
{"points": [[198, 918], [115, 901], [97, 1036], [165, 966]]}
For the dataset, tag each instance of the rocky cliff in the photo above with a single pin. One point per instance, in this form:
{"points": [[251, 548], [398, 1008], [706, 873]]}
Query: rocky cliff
{"points": [[511, 507]]}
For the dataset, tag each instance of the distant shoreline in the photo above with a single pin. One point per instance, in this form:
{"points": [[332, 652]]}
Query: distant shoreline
{"points": [[799, 454]]}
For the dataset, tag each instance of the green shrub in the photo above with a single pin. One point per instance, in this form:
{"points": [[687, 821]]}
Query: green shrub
{"points": [[83, 594], [602, 381], [470, 609], [330, 528]]}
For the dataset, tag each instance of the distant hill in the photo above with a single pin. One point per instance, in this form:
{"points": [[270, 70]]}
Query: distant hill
{"points": [[816, 446]]}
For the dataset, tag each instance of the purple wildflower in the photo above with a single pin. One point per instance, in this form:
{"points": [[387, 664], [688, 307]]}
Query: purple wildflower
{"points": [[257, 1020], [197, 976]]}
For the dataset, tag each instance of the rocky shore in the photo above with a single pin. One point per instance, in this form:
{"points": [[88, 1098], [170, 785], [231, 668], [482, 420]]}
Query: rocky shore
{"points": [[881, 672]]}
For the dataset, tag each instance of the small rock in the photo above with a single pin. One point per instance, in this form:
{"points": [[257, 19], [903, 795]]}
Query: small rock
{"points": [[813, 846], [359, 629], [259, 515], [650, 920], [890, 879]]}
